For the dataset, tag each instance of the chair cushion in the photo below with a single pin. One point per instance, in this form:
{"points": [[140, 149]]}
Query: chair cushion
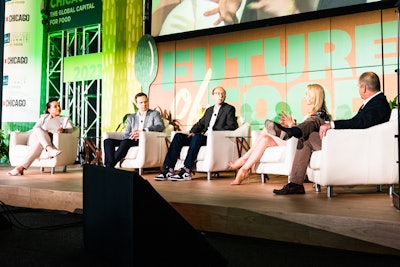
{"points": [[273, 154], [22, 150], [315, 161], [132, 152]]}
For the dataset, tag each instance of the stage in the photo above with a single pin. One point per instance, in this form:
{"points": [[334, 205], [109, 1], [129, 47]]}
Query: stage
{"points": [[357, 218]]}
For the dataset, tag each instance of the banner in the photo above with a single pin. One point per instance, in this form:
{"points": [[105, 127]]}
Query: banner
{"points": [[73, 13], [83, 68], [22, 61]]}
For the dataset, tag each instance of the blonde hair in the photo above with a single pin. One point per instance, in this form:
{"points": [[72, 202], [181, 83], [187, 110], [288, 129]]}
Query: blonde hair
{"points": [[317, 95]]}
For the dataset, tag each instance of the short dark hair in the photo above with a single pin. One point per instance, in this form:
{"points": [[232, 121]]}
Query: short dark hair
{"points": [[371, 80], [139, 95]]}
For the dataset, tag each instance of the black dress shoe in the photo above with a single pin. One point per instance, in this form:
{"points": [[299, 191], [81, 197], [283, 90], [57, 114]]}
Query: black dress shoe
{"points": [[290, 189]]}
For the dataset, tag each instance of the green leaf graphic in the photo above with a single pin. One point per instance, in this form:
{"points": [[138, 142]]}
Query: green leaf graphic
{"points": [[146, 62]]}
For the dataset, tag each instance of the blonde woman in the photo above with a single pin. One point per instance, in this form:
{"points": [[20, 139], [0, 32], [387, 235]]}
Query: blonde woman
{"points": [[275, 134]]}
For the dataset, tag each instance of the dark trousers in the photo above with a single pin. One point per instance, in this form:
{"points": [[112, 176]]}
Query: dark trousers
{"points": [[112, 156], [180, 140], [303, 156]]}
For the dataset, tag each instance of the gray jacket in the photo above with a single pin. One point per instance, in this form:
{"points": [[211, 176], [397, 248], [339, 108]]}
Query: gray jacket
{"points": [[152, 122]]}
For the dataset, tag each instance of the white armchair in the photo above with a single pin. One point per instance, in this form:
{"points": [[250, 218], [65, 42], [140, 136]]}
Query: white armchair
{"points": [[66, 142], [357, 157], [276, 159], [150, 152], [219, 150]]}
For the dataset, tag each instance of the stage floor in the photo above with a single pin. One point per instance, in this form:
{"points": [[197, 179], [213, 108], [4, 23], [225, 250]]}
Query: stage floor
{"points": [[357, 218]]}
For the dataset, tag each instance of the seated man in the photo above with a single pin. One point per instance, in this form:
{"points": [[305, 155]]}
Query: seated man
{"points": [[219, 117], [375, 110], [144, 119]]}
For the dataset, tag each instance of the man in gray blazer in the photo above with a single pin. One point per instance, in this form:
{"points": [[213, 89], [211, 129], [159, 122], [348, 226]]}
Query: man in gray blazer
{"points": [[144, 119], [219, 117]]}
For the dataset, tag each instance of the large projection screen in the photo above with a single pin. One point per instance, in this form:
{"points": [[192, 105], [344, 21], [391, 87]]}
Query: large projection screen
{"points": [[200, 17]]}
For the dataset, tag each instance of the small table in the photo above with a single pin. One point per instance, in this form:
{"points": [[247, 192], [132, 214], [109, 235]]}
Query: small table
{"points": [[168, 141], [242, 145], [90, 147]]}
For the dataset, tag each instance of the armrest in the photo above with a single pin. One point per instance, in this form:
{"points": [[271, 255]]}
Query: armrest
{"points": [[66, 139], [220, 150], [67, 143], [152, 148], [243, 131], [173, 133], [19, 138], [113, 135]]}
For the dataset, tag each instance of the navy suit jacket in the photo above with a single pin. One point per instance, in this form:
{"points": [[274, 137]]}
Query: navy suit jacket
{"points": [[376, 111], [226, 119]]}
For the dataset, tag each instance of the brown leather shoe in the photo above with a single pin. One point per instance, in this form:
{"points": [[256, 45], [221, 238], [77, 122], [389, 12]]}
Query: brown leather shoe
{"points": [[290, 189]]}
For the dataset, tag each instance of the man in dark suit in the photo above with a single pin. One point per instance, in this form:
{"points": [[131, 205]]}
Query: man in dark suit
{"points": [[219, 117], [375, 110], [144, 119]]}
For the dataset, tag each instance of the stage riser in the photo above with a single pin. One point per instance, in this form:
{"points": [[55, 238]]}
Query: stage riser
{"points": [[241, 222], [252, 224], [41, 198]]}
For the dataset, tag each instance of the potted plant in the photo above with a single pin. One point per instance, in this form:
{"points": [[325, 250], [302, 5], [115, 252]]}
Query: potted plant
{"points": [[393, 103], [123, 122], [166, 114], [3, 147]]}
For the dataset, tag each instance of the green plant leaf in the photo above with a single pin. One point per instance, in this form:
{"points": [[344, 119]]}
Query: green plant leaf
{"points": [[393, 103]]}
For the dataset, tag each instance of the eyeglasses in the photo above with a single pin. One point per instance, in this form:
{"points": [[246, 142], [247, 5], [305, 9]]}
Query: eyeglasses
{"points": [[219, 93]]}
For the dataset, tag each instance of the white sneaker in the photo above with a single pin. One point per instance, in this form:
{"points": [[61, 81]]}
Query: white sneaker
{"points": [[183, 175], [164, 175]]}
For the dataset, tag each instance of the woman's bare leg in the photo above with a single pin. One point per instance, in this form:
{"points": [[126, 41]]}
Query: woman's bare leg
{"points": [[264, 141], [234, 165]]}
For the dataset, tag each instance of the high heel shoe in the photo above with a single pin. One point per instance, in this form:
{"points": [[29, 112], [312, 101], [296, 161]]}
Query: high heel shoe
{"points": [[241, 175], [234, 165], [54, 153], [15, 172]]}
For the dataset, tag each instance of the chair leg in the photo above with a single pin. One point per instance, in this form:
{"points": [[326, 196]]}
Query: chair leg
{"points": [[379, 188], [215, 174], [264, 176], [317, 188], [52, 170], [65, 168], [329, 191], [208, 176], [140, 171], [41, 169], [391, 189]]}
